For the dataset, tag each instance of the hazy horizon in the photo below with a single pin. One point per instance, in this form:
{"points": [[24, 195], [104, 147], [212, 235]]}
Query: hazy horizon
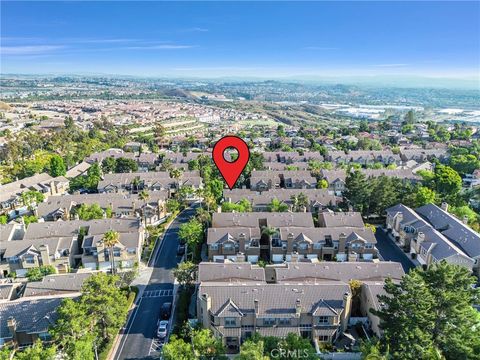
{"points": [[439, 41]]}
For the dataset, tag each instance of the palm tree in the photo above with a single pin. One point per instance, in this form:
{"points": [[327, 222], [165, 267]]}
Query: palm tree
{"points": [[110, 239], [176, 173], [302, 201], [144, 196], [135, 183]]}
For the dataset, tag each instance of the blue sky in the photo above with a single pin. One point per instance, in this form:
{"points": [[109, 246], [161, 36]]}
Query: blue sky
{"points": [[267, 39]]}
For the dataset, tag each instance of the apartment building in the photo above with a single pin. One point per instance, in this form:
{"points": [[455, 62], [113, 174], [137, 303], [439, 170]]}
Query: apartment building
{"points": [[69, 244], [152, 181], [11, 201], [25, 320], [262, 180], [236, 300], [120, 205], [309, 200], [431, 234], [279, 237]]}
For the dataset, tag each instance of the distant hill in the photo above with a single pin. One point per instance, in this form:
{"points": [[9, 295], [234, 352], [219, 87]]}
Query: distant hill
{"points": [[4, 106]]}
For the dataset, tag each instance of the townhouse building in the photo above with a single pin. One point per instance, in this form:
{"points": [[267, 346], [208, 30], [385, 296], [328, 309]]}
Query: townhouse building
{"points": [[430, 234], [11, 201], [262, 180], [69, 244], [313, 300], [309, 200], [152, 181], [151, 211], [25, 320], [364, 157], [279, 237]]}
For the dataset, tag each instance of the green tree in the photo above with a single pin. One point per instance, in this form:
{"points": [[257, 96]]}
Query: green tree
{"points": [[277, 206], [447, 181], [109, 164], [89, 212], [434, 307], [464, 164], [421, 195], [144, 196], [251, 350], [3, 219], [106, 305], [185, 273], [172, 205], [57, 166], [72, 330], [38, 273], [177, 349], [322, 184], [358, 191], [37, 352], [110, 239], [205, 345], [191, 232], [123, 165], [242, 206]]}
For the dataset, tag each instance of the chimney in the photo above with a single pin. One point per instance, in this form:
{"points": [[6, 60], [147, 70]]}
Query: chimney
{"points": [[44, 254], [444, 206], [342, 240], [346, 300], [255, 304], [420, 237], [12, 326], [298, 308]]}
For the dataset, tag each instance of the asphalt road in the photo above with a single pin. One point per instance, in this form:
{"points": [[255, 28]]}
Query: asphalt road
{"points": [[139, 340], [391, 252]]}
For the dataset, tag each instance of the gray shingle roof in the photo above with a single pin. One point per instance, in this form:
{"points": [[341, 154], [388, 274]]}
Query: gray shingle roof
{"points": [[252, 219], [452, 228], [338, 271], [230, 272], [276, 299], [32, 315], [56, 284]]}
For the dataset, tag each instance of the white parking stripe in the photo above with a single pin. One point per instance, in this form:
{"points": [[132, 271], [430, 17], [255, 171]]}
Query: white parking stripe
{"points": [[157, 293]]}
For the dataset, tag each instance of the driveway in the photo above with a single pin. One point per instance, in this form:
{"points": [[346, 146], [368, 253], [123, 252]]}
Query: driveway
{"points": [[389, 251]]}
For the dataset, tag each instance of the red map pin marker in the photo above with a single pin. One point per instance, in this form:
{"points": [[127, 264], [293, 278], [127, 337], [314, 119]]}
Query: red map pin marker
{"points": [[231, 170]]}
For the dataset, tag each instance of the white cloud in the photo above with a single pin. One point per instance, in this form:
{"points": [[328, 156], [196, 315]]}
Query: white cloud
{"points": [[29, 49]]}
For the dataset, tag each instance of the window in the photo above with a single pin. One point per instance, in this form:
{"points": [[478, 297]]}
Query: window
{"points": [[323, 338], [228, 246], [131, 251], [409, 229], [212, 320], [368, 246], [303, 246], [214, 247], [230, 322], [268, 322], [317, 246], [284, 321], [323, 320], [13, 259], [29, 259], [45, 336]]}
